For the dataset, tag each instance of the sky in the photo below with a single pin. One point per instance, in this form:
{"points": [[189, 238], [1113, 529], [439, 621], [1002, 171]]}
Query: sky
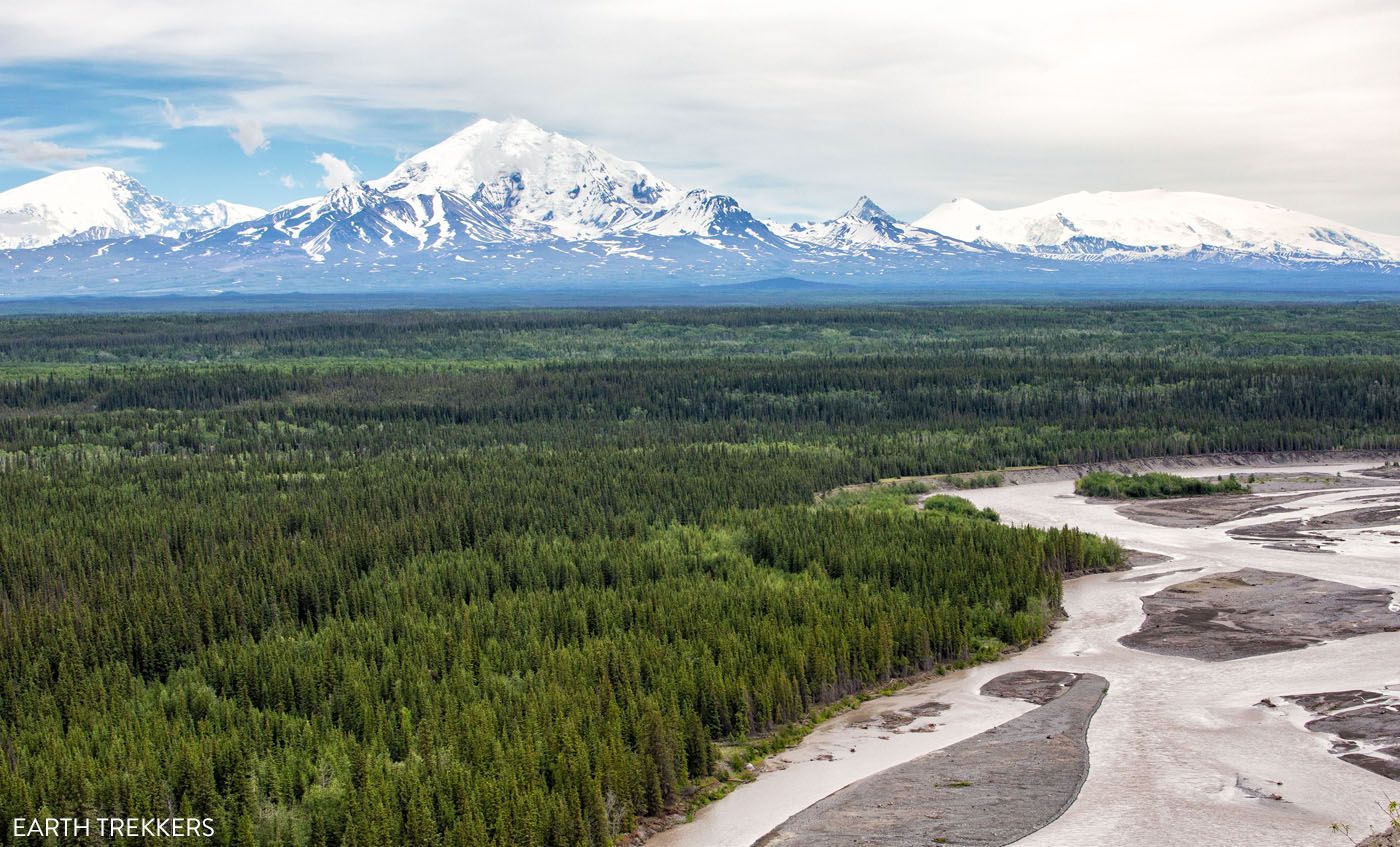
{"points": [[794, 108]]}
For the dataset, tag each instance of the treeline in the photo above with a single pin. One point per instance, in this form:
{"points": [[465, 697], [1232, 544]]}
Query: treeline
{"points": [[359, 580], [574, 334], [898, 414], [1152, 485]]}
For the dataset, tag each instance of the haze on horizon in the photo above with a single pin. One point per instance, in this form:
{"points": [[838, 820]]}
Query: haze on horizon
{"points": [[794, 108]]}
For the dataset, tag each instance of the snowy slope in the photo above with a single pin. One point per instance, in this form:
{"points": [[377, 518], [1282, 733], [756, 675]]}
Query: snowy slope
{"points": [[220, 213], [358, 218], [1158, 223], [866, 227], [96, 203], [536, 176], [703, 214]]}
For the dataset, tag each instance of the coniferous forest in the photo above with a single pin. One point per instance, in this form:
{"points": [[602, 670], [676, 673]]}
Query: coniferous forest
{"points": [[525, 578]]}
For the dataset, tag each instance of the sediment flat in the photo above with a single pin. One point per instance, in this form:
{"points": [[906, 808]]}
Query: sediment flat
{"points": [[1254, 612], [987, 791], [1038, 687], [1364, 726], [1186, 512], [1385, 513]]}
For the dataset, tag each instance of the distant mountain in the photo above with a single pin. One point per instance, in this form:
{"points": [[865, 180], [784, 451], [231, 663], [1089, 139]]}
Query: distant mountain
{"points": [[93, 204], [361, 220], [1159, 224], [495, 184], [508, 204], [507, 198], [701, 214], [866, 227], [529, 174]]}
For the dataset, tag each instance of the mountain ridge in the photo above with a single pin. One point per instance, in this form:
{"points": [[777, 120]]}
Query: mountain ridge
{"points": [[97, 203], [507, 201], [1157, 222]]}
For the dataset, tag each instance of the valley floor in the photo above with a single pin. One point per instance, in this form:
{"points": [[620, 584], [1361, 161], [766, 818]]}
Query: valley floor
{"points": [[1182, 751]]}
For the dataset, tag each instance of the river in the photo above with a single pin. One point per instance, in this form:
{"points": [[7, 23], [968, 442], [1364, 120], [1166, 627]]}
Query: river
{"points": [[1177, 742]]}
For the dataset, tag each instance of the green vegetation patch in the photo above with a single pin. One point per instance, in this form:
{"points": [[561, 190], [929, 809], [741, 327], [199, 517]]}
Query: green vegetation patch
{"points": [[1153, 485], [885, 496], [948, 504]]}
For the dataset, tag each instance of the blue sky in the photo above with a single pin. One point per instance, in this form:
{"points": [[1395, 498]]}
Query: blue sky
{"points": [[795, 108], [184, 137]]}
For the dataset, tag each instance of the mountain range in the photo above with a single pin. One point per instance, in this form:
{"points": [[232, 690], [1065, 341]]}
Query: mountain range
{"points": [[96, 204], [508, 203]]}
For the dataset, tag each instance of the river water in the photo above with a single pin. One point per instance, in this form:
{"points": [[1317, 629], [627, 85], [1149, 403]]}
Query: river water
{"points": [[1178, 743]]}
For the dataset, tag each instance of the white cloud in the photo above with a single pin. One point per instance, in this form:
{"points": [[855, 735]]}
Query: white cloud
{"points": [[799, 107], [249, 135], [52, 148], [130, 143], [335, 171], [247, 131], [170, 114], [287, 181], [33, 149]]}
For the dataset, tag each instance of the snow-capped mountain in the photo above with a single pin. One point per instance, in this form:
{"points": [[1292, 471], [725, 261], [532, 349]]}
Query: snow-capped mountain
{"points": [[492, 183], [867, 227], [515, 168], [358, 218], [1159, 224], [506, 183], [507, 203], [703, 214], [91, 204]]}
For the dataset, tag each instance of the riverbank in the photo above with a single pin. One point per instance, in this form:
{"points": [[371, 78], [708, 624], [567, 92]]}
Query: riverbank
{"points": [[988, 791], [1182, 753]]}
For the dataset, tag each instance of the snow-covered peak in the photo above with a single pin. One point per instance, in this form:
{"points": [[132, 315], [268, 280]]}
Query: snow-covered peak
{"points": [[866, 210], [863, 227], [961, 205], [222, 213], [96, 203], [530, 173], [77, 185], [704, 214], [348, 199], [1157, 222]]}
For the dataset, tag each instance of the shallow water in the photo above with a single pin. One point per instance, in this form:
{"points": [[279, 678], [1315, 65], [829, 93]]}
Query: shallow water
{"points": [[1177, 741]]}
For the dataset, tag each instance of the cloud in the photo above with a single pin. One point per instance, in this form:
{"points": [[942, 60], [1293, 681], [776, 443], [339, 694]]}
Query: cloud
{"points": [[249, 135], [130, 143], [335, 171], [242, 128], [169, 113], [284, 180], [798, 108], [54, 148], [29, 149]]}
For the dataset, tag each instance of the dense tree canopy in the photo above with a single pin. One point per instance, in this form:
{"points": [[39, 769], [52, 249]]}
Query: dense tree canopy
{"points": [[511, 579]]}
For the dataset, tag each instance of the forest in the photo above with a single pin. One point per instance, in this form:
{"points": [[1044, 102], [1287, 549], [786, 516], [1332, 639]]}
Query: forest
{"points": [[527, 578]]}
